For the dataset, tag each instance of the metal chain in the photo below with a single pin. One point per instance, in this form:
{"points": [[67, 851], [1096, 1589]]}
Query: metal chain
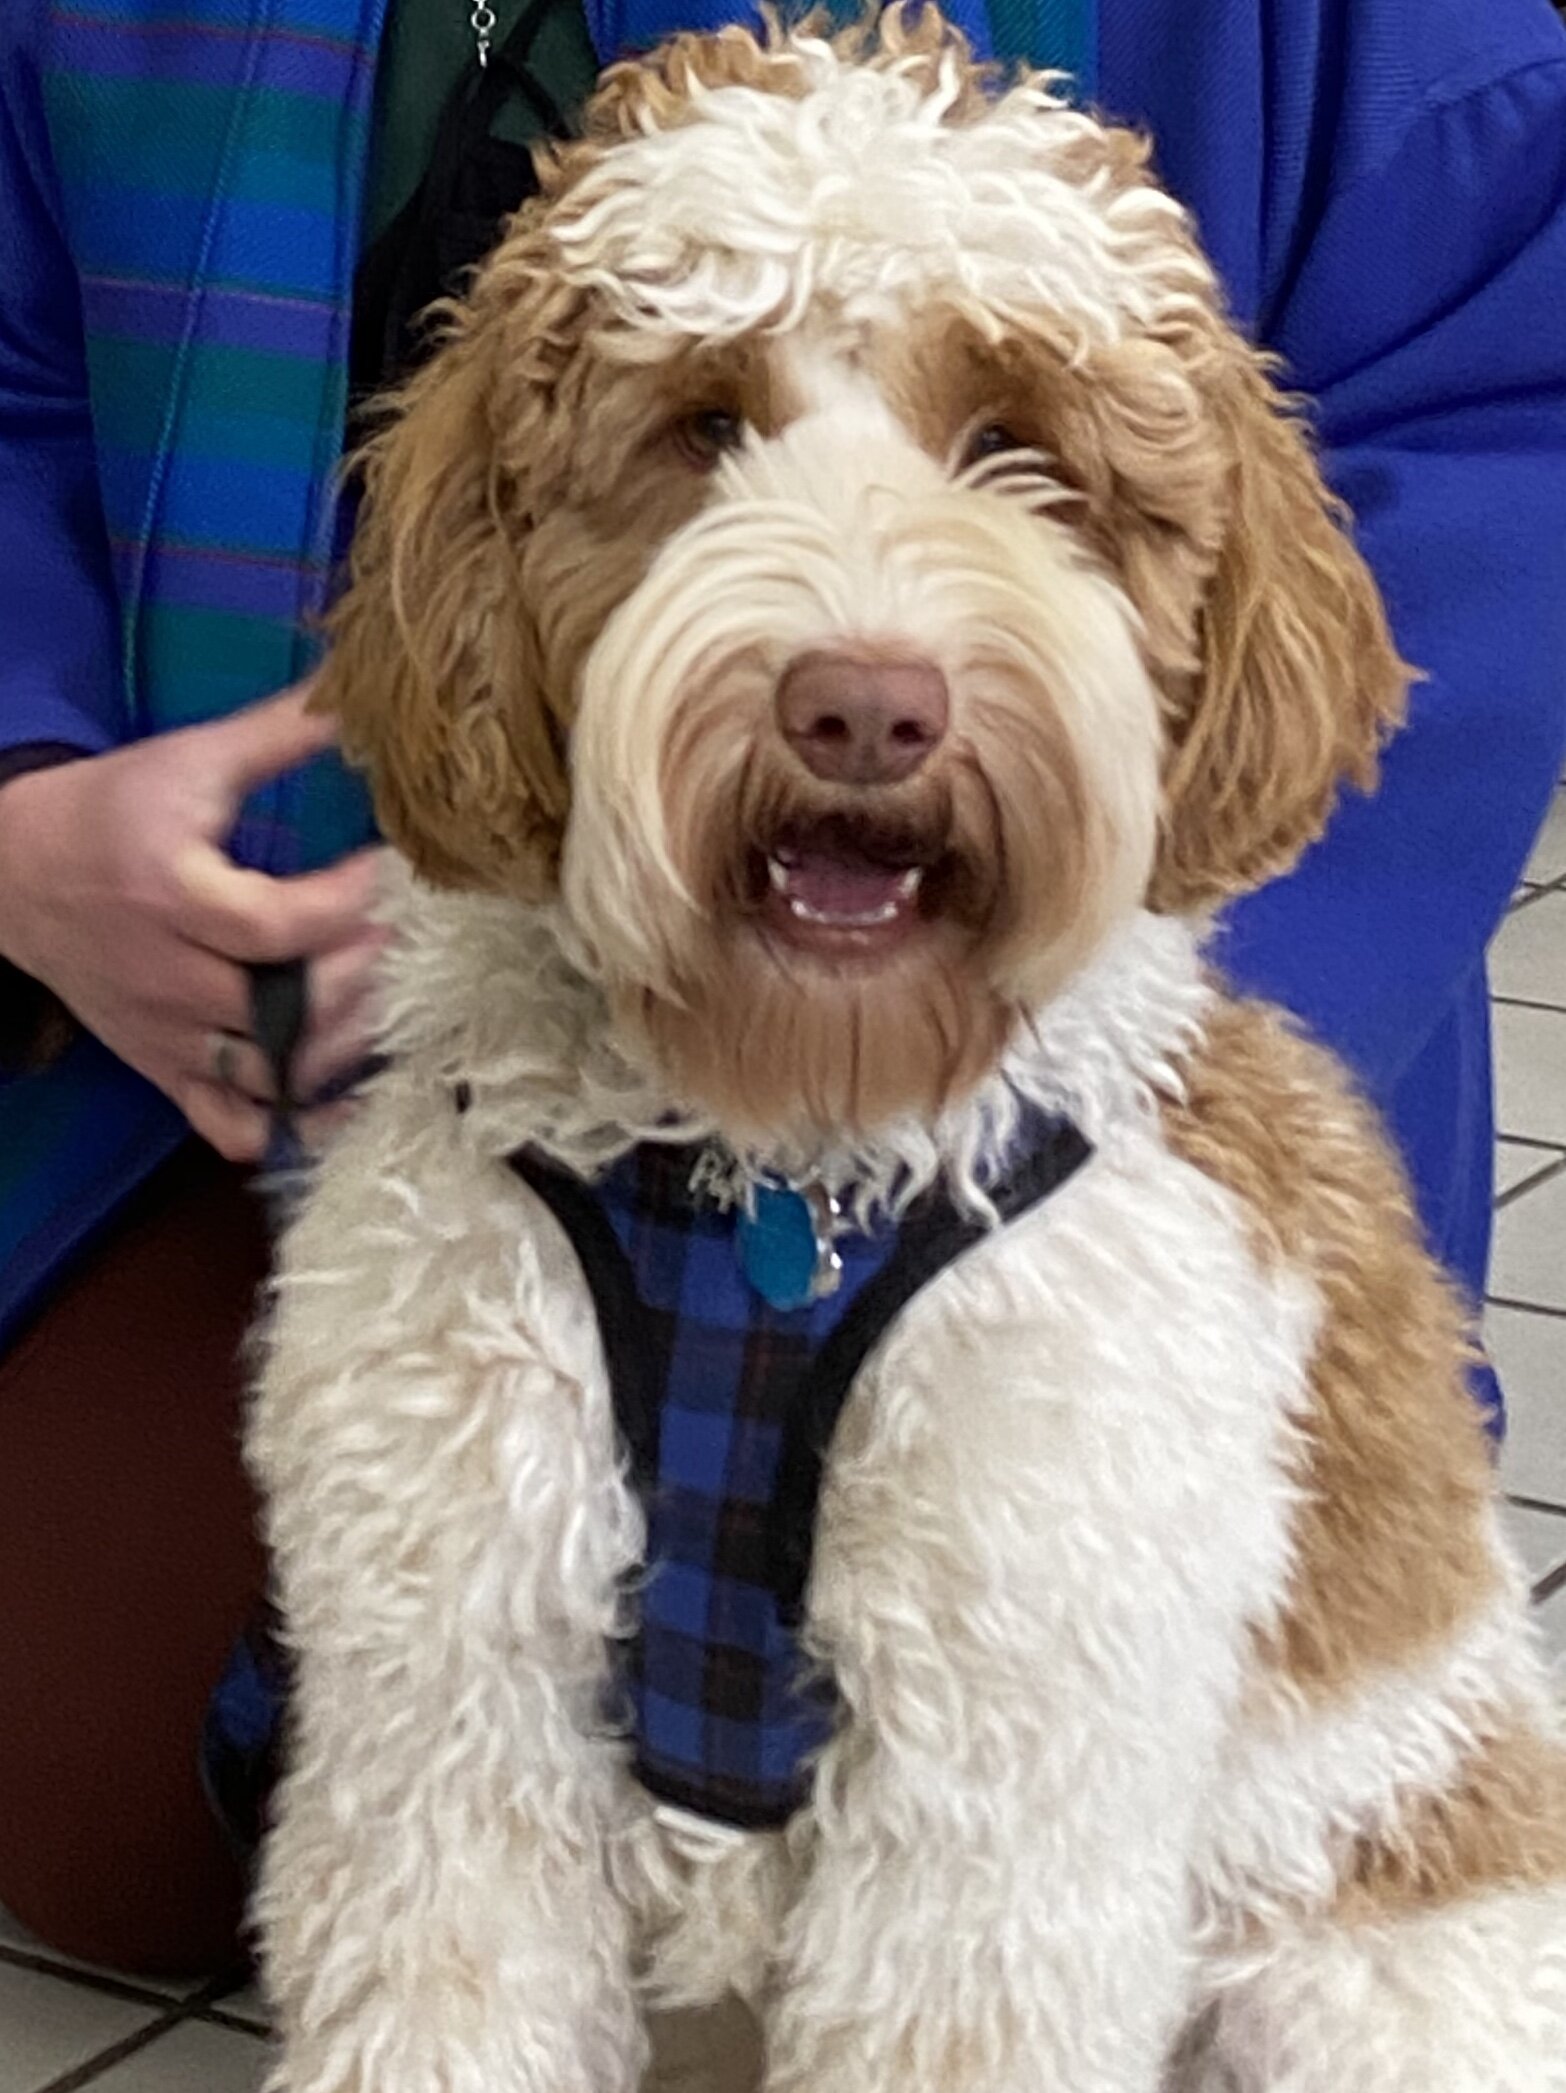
{"points": [[483, 21]]}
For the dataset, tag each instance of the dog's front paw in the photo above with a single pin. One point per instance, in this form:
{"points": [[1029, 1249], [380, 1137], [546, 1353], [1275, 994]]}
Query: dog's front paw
{"points": [[448, 2047]]}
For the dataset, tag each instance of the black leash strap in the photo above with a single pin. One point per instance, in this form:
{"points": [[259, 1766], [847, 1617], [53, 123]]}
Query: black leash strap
{"points": [[279, 1012]]}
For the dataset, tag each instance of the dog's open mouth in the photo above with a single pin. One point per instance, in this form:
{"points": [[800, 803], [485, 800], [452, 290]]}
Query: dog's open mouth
{"points": [[840, 889]]}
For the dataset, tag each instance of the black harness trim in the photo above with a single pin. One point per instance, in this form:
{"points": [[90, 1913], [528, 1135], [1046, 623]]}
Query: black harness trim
{"points": [[932, 1236]]}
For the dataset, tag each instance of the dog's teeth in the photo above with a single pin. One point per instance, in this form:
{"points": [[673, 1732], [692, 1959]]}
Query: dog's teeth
{"points": [[867, 920], [782, 869]]}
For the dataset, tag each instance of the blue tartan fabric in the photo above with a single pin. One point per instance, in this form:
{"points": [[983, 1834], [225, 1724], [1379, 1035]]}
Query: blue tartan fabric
{"points": [[241, 1734], [727, 1405], [725, 1717], [180, 187]]}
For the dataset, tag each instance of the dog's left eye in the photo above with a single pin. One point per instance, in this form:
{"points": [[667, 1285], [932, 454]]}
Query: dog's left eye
{"points": [[704, 437], [991, 442]]}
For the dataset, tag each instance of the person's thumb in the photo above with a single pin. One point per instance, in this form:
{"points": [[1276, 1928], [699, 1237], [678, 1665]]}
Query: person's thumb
{"points": [[249, 747]]}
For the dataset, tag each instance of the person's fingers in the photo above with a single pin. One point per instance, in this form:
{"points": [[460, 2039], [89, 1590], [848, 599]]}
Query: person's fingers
{"points": [[252, 917], [249, 747], [236, 1128], [230, 1061], [203, 1017], [160, 1023], [201, 992]]}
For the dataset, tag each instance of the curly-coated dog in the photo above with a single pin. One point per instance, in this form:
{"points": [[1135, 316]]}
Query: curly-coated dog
{"points": [[845, 1426]]}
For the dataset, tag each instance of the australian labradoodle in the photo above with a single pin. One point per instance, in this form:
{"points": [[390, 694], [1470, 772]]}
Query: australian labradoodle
{"points": [[846, 1426]]}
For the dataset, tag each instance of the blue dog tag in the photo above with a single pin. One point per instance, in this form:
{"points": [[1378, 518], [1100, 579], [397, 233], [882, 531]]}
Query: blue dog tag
{"points": [[780, 1249]]}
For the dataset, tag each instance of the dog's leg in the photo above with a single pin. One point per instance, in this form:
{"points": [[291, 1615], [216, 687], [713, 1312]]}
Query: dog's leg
{"points": [[449, 1527], [1050, 1504], [1467, 1999]]}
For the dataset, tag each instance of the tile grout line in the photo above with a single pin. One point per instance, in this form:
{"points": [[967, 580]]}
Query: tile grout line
{"points": [[1544, 1175], [1550, 1583], [41, 1964], [128, 2046], [1527, 1003], [1526, 1307], [177, 2013], [1530, 895], [216, 2017]]}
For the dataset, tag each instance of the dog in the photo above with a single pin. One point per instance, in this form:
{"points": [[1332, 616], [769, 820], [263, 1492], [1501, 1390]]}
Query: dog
{"points": [[845, 1427]]}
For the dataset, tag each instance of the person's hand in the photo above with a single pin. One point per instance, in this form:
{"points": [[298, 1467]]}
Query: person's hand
{"points": [[116, 891]]}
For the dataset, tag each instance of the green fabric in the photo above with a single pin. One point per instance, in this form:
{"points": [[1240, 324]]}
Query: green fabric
{"points": [[1059, 33], [427, 46]]}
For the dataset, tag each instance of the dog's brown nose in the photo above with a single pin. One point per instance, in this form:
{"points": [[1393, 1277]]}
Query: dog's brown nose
{"points": [[856, 719]]}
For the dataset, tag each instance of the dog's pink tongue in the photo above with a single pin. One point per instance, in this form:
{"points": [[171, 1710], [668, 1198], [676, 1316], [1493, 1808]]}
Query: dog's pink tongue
{"points": [[830, 886]]}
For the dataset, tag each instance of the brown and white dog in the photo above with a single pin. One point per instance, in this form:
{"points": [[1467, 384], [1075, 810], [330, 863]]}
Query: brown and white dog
{"points": [[837, 614]]}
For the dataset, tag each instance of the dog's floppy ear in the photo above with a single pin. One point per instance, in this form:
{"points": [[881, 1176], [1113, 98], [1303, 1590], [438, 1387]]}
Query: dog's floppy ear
{"points": [[433, 670], [1298, 679]]}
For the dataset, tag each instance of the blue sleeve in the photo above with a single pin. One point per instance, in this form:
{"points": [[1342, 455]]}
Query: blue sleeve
{"points": [[59, 652], [1426, 315]]}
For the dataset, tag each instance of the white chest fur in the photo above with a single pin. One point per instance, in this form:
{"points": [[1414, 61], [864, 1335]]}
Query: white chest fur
{"points": [[1055, 1503]]}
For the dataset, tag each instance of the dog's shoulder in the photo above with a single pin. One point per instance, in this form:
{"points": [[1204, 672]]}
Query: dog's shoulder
{"points": [[1266, 1111], [408, 1219], [399, 1169], [1393, 1532]]}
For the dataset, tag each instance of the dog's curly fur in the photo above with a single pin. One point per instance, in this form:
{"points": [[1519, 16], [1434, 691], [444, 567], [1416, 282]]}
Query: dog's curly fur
{"points": [[1192, 1732]]}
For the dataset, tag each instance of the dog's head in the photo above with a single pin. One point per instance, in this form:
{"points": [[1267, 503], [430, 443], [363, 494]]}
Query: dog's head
{"points": [[844, 551]]}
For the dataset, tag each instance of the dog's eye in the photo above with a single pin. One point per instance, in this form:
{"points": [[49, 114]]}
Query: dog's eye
{"points": [[990, 442], [704, 437]]}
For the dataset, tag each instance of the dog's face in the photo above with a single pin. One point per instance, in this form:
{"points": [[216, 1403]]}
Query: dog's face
{"points": [[844, 549]]}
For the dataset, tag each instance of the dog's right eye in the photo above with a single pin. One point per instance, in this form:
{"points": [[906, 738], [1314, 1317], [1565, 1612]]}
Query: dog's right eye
{"points": [[993, 440], [704, 437]]}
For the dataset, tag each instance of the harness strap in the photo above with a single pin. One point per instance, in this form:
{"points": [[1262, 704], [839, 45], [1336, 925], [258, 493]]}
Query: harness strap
{"points": [[932, 1237], [933, 1234], [616, 1302]]}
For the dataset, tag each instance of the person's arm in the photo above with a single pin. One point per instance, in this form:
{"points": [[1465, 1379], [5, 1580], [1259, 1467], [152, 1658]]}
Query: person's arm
{"points": [[60, 676], [116, 889], [1427, 318], [59, 669]]}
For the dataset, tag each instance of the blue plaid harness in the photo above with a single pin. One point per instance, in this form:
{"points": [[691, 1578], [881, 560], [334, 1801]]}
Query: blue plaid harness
{"points": [[726, 1405]]}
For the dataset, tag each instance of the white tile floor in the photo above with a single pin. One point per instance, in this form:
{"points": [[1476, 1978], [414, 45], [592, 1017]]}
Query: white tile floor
{"points": [[1525, 1322], [63, 2027]]}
